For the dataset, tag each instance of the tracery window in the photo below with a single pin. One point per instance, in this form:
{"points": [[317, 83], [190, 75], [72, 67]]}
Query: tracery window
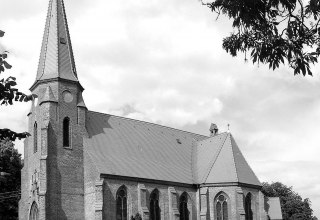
{"points": [[34, 213], [66, 132], [183, 207], [35, 137], [121, 204], [154, 205], [247, 207], [222, 207]]}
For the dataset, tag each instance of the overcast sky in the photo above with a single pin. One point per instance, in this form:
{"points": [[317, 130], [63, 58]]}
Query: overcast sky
{"points": [[162, 61]]}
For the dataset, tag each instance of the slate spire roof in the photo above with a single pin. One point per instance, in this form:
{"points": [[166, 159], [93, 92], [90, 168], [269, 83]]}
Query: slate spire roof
{"points": [[56, 58]]}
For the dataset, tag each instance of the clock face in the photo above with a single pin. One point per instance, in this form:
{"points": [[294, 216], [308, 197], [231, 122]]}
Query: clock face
{"points": [[67, 96]]}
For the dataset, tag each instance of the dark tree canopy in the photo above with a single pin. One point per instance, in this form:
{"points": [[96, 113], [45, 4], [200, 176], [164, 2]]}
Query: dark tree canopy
{"points": [[273, 31], [292, 205], [8, 94], [10, 180]]}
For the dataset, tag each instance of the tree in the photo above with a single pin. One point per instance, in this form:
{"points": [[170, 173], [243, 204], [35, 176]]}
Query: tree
{"points": [[273, 31], [10, 163], [292, 205], [8, 94]]}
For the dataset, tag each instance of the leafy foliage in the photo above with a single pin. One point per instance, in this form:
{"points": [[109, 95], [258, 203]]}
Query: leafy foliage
{"points": [[8, 94], [292, 205], [10, 164], [274, 31]]}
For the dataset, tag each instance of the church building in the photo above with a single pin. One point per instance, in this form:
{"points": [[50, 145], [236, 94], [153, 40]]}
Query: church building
{"points": [[85, 165]]}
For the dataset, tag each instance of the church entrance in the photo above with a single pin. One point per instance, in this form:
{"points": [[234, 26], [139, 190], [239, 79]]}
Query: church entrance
{"points": [[34, 213]]}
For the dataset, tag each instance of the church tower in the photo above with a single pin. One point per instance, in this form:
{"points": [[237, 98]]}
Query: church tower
{"points": [[53, 173]]}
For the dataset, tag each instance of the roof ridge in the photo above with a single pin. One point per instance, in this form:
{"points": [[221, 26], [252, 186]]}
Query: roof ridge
{"points": [[43, 49], [213, 137], [151, 123], [234, 160], [232, 139], [214, 160], [66, 29]]}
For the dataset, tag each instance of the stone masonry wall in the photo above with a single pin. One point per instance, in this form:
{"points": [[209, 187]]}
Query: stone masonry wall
{"points": [[110, 187]]}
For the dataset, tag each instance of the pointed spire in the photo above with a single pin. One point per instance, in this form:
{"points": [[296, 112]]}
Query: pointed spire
{"points": [[56, 58]]}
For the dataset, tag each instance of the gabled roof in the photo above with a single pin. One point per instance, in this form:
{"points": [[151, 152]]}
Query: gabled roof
{"points": [[219, 160], [56, 58], [131, 148], [274, 208]]}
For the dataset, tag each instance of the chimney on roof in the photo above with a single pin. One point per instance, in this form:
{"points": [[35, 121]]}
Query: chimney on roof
{"points": [[213, 130]]}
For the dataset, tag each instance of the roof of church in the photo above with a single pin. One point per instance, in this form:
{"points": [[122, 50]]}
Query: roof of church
{"points": [[56, 57], [132, 148]]}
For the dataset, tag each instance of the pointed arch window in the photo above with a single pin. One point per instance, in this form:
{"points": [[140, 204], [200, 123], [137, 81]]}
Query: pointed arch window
{"points": [[66, 132], [154, 205], [222, 207], [34, 213], [183, 207], [247, 207], [121, 204], [35, 137]]}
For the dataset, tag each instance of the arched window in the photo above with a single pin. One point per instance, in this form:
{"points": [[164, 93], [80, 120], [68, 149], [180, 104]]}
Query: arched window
{"points": [[66, 132], [121, 204], [183, 207], [154, 205], [247, 207], [222, 207], [34, 213], [35, 137]]}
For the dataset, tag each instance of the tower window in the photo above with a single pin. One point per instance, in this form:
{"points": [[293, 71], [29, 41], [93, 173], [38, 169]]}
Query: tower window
{"points": [[154, 205], [34, 213], [121, 204], [35, 137], [66, 132], [247, 206]]}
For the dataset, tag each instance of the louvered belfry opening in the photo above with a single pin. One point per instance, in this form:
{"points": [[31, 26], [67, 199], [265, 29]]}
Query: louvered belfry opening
{"points": [[66, 132], [222, 208], [154, 205], [121, 213], [183, 207]]}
